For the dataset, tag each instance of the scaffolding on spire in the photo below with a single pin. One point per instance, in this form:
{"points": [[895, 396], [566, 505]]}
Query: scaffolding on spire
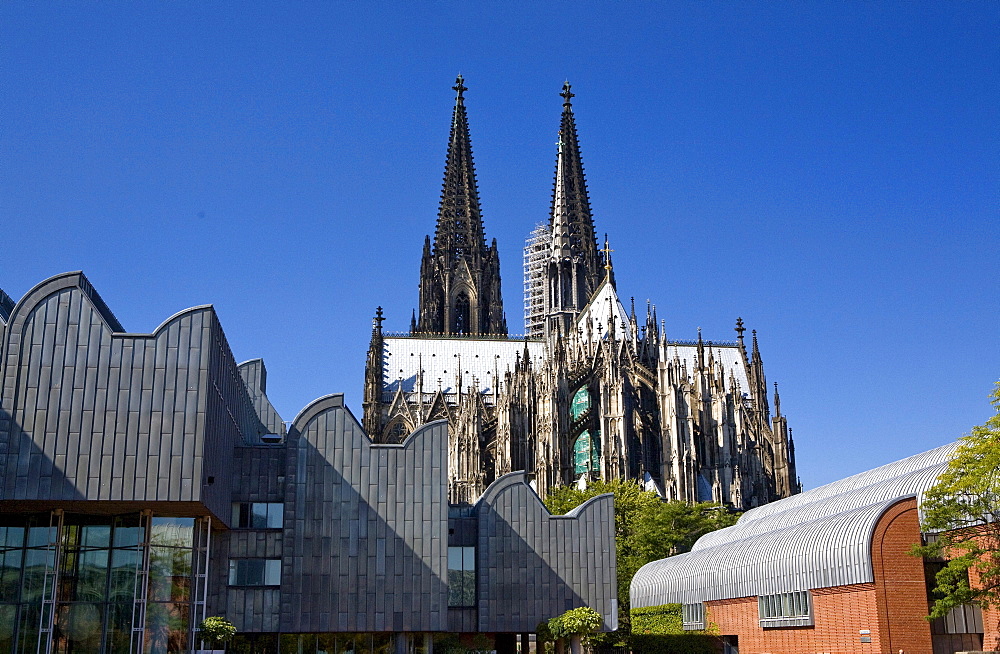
{"points": [[536, 254]]}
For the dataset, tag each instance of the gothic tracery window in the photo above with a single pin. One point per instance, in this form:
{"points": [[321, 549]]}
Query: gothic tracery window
{"points": [[462, 321]]}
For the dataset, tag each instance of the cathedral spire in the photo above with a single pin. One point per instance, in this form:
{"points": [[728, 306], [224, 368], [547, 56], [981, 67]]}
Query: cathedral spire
{"points": [[460, 274], [459, 232], [571, 221]]}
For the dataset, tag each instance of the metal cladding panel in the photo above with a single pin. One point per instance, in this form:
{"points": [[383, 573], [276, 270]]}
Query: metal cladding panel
{"points": [[254, 375], [439, 358], [911, 483], [361, 552], [862, 480], [532, 565], [814, 540], [832, 551], [91, 413]]}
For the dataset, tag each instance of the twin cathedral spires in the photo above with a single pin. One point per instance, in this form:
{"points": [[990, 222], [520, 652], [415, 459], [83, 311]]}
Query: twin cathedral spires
{"points": [[460, 291]]}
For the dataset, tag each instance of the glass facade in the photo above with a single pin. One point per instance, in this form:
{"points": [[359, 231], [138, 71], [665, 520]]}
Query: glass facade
{"points": [[81, 580], [359, 643]]}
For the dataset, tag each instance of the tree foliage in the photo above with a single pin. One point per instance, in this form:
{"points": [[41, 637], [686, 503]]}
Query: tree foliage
{"points": [[216, 630], [646, 528], [962, 508]]}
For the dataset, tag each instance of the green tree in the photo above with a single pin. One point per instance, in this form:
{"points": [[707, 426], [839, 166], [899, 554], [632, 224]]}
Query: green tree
{"points": [[646, 529], [962, 508]]}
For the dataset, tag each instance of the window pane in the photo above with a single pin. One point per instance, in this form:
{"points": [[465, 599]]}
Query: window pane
{"points": [[11, 536], [454, 558], [469, 558], [272, 572], [119, 627], [78, 627], [41, 536], [175, 532], [10, 575], [95, 536], [455, 587], [469, 588], [166, 627], [275, 515], [127, 532], [325, 644], [7, 618], [234, 571], [258, 517]]}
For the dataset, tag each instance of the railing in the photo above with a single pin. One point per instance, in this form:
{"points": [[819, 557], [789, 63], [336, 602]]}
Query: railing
{"points": [[480, 337], [675, 341]]}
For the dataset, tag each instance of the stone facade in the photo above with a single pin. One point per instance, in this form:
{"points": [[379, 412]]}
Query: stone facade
{"points": [[593, 391]]}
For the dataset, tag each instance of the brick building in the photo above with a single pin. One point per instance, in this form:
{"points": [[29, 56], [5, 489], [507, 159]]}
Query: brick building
{"points": [[827, 570]]}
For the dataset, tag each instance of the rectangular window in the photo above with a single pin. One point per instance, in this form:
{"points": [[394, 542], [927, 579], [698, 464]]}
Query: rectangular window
{"points": [[785, 609], [461, 576], [258, 515], [693, 616], [255, 572]]}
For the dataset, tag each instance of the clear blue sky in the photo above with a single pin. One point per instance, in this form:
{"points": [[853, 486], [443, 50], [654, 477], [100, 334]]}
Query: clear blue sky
{"points": [[829, 171]]}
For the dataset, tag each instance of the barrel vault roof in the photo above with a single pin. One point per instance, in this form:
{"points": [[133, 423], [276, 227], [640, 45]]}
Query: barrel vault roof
{"points": [[816, 539]]}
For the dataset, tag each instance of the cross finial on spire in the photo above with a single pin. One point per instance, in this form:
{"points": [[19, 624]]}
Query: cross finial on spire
{"points": [[607, 254], [740, 328], [567, 94], [459, 87], [377, 320]]}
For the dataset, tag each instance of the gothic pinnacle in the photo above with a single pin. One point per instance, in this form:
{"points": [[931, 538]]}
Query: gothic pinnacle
{"points": [[740, 329], [567, 94]]}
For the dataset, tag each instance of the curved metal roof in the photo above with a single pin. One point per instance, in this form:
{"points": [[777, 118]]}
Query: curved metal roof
{"points": [[816, 539]]}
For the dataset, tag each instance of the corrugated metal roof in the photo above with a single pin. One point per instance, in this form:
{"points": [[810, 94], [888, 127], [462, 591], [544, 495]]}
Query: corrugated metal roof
{"points": [[441, 359], [861, 480], [816, 539]]}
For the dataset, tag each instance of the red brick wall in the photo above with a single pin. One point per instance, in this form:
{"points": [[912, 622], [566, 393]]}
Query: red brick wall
{"points": [[839, 614], [991, 620], [900, 587], [892, 608]]}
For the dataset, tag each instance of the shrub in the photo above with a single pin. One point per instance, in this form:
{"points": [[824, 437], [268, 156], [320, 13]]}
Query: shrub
{"points": [[216, 630], [575, 622]]}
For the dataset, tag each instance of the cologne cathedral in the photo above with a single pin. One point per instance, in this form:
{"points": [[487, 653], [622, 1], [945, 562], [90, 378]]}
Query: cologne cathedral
{"points": [[591, 391]]}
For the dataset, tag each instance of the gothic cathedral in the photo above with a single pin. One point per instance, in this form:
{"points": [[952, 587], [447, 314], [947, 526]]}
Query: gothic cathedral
{"points": [[591, 391]]}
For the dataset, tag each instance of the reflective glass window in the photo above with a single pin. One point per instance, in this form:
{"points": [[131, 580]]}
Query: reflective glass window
{"points": [[255, 572], [173, 532], [461, 576], [258, 515]]}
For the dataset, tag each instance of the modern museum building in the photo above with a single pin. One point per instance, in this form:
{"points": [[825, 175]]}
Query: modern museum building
{"points": [[146, 482]]}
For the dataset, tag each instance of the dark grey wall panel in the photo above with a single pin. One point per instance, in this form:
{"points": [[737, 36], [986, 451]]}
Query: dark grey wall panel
{"points": [[254, 375], [365, 527], [258, 474], [533, 566], [90, 413]]}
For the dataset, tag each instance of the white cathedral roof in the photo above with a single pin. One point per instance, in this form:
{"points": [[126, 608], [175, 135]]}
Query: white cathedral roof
{"points": [[444, 360], [603, 310], [727, 354]]}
